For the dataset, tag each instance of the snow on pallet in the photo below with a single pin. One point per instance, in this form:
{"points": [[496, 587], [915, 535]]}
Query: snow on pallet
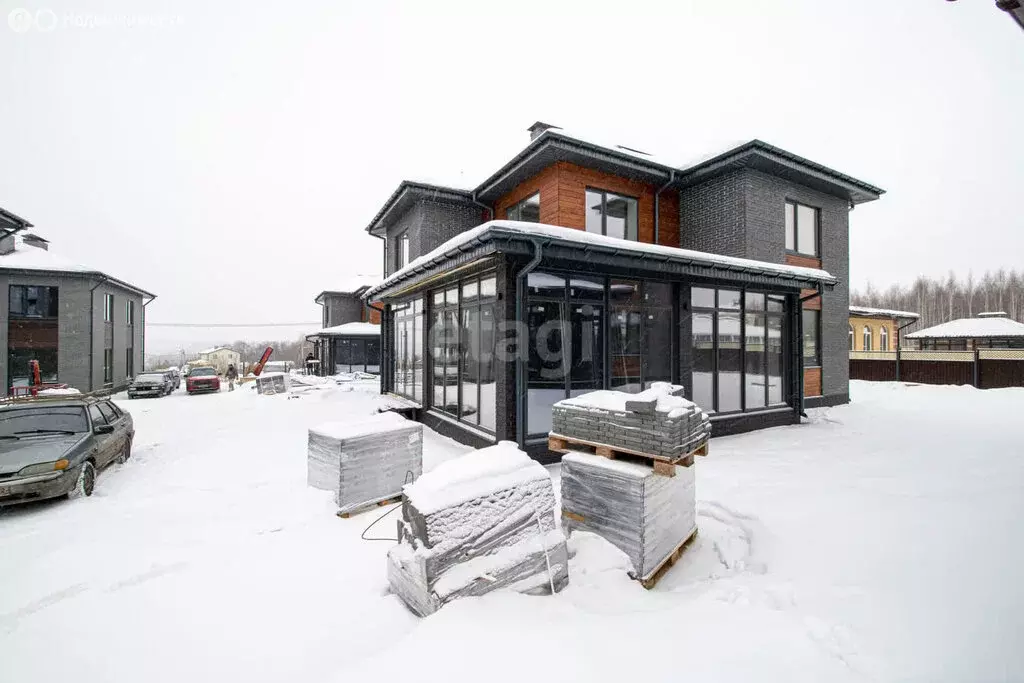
{"points": [[365, 462], [475, 524], [662, 465]]}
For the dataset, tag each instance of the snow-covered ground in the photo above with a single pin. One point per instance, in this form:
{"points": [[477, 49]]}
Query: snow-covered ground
{"points": [[880, 541]]}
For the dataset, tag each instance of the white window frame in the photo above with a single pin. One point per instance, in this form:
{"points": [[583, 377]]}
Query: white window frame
{"points": [[866, 334], [883, 339]]}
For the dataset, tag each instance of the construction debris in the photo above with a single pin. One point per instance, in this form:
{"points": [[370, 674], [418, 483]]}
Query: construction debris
{"points": [[476, 524], [644, 514], [366, 461]]}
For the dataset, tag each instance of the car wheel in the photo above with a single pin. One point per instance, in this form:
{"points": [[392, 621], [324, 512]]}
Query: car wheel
{"points": [[86, 481], [126, 452]]}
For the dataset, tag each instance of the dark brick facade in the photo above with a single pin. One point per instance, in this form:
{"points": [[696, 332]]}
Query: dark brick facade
{"points": [[429, 224]]}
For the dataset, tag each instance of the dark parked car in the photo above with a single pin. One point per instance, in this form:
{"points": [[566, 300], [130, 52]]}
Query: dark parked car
{"points": [[151, 384], [202, 379], [55, 446]]}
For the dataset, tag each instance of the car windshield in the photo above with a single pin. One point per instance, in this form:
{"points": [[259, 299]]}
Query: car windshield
{"points": [[202, 372], [149, 378], [18, 422]]}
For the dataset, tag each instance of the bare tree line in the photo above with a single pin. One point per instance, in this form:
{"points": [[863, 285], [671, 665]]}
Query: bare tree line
{"points": [[941, 300]]}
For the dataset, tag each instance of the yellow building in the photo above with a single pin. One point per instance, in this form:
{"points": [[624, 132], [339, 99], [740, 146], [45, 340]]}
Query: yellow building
{"points": [[876, 329]]}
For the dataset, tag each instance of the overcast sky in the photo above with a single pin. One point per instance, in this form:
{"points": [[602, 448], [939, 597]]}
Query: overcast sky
{"points": [[228, 155]]}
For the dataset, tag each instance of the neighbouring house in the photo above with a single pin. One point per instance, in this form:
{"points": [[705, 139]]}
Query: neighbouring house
{"points": [[578, 266], [877, 329], [86, 328], [350, 338], [220, 357], [992, 330]]}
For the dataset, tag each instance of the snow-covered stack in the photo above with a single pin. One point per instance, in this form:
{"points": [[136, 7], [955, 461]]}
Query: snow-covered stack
{"points": [[365, 461], [271, 383], [475, 524], [658, 421], [646, 515]]}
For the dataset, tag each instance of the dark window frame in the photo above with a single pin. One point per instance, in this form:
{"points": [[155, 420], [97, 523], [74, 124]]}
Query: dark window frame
{"points": [[401, 258], [604, 211], [815, 361], [518, 209], [53, 301], [129, 362], [796, 230], [108, 308], [129, 312], [108, 365]]}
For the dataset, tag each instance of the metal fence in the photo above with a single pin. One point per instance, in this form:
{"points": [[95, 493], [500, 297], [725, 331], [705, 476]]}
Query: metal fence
{"points": [[982, 368]]}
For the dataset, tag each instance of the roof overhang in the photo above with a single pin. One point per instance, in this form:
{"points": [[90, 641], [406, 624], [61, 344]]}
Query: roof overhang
{"points": [[668, 263], [773, 160], [407, 194], [552, 147], [89, 274], [331, 292]]}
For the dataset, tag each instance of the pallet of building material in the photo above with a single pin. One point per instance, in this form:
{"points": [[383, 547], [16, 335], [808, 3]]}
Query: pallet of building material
{"points": [[658, 422], [273, 383], [365, 461], [645, 515], [476, 524], [661, 464]]}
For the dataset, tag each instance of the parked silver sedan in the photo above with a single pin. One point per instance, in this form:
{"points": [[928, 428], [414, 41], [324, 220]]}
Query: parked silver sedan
{"points": [[52, 447]]}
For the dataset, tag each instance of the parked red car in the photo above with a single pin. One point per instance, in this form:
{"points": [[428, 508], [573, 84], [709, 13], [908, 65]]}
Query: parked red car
{"points": [[201, 380]]}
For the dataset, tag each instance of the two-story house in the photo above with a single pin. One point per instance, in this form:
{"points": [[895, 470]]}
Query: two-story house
{"points": [[85, 328], [577, 266], [349, 340]]}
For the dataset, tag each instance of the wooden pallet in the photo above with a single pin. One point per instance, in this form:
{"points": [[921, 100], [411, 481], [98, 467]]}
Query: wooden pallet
{"points": [[370, 506], [667, 563], [661, 464]]}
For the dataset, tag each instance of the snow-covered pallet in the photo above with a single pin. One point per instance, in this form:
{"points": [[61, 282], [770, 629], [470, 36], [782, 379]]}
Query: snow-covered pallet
{"points": [[475, 524], [658, 423], [648, 517], [366, 461], [661, 464]]}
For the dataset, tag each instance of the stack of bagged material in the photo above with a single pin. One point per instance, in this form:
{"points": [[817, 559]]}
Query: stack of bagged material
{"points": [[365, 461], [644, 514], [476, 524], [658, 421]]}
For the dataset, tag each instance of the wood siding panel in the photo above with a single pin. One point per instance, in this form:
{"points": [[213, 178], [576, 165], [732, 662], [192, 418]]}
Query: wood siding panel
{"points": [[563, 188], [812, 382], [803, 261]]}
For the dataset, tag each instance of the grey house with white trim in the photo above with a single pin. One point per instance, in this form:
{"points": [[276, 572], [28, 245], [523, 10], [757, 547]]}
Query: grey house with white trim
{"points": [[84, 327]]}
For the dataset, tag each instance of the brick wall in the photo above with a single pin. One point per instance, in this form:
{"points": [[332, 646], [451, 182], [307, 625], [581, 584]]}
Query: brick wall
{"points": [[712, 217], [429, 224], [875, 325]]}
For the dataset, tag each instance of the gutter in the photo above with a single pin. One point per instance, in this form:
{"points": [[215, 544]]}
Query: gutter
{"points": [[800, 340], [384, 336], [144, 304], [657, 205], [521, 395], [490, 210], [898, 346]]}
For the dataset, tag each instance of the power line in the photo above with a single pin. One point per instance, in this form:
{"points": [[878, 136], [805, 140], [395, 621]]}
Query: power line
{"points": [[232, 324]]}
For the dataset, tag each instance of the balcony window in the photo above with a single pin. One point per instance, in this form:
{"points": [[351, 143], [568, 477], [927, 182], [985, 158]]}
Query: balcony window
{"points": [[108, 308], [812, 337], [33, 302], [802, 229], [526, 210], [611, 214]]}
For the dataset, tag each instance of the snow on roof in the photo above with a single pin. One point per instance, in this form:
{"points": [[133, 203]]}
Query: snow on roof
{"points": [[977, 328], [214, 350], [354, 329], [588, 238], [868, 311], [354, 283], [474, 475], [27, 257]]}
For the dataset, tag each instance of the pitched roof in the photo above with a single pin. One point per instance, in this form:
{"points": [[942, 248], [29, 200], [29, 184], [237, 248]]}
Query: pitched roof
{"points": [[353, 284], [977, 328], [555, 144], [27, 257], [712, 265]]}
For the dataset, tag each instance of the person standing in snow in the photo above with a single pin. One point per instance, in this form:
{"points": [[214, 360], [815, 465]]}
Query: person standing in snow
{"points": [[232, 376]]}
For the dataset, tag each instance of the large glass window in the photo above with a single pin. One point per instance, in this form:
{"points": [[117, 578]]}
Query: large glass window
{"points": [[526, 210], [624, 331], [108, 308], [867, 337], [26, 301], [802, 229], [611, 214], [407, 342], [812, 337], [657, 333], [462, 342], [401, 251], [883, 339], [362, 354], [737, 349]]}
